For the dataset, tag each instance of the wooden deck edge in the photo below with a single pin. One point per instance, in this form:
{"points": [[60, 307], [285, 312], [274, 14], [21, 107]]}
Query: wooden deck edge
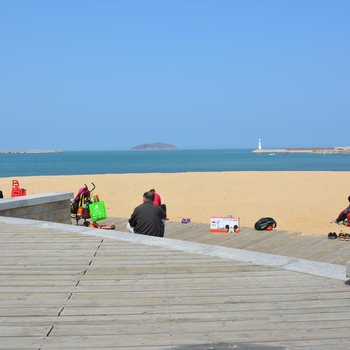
{"points": [[315, 268]]}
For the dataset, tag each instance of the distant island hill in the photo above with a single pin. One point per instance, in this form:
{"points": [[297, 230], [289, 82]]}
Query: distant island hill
{"points": [[32, 151], [316, 150], [157, 146]]}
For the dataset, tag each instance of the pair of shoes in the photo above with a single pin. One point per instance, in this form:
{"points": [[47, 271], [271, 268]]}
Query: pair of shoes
{"points": [[341, 236], [346, 237], [185, 220], [332, 235]]}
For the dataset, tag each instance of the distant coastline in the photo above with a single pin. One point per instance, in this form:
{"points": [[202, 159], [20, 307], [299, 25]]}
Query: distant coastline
{"points": [[31, 151], [332, 150]]}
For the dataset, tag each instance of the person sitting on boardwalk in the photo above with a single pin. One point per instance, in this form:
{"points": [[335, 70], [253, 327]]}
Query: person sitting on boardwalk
{"points": [[147, 218], [157, 200], [344, 215]]}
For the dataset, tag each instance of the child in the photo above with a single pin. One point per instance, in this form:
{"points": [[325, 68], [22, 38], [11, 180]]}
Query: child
{"points": [[344, 215]]}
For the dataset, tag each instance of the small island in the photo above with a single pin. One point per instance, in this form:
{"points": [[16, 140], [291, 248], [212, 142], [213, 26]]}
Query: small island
{"points": [[157, 146]]}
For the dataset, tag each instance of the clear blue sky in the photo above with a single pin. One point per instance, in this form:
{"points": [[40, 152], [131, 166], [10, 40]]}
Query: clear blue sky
{"points": [[109, 75]]}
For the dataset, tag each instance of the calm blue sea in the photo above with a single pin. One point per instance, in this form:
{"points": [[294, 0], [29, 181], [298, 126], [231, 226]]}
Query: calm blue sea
{"points": [[120, 162]]}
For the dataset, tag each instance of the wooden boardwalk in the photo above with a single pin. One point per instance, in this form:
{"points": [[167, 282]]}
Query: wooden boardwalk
{"points": [[318, 248], [62, 290]]}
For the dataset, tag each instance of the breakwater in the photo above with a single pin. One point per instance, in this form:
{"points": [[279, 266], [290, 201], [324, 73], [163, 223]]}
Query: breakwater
{"points": [[333, 150], [31, 151]]}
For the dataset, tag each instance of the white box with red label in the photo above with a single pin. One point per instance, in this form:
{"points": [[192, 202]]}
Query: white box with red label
{"points": [[224, 224]]}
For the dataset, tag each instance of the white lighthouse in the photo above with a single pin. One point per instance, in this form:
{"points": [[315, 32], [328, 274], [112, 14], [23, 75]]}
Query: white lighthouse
{"points": [[259, 145]]}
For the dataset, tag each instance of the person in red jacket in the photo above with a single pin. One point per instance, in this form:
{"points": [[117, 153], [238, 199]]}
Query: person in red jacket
{"points": [[157, 200]]}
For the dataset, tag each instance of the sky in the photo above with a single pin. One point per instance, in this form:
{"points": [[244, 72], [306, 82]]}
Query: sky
{"points": [[198, 74]]}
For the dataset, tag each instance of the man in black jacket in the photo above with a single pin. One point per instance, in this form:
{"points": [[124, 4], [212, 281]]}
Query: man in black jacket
{"points": [[147, 219]]}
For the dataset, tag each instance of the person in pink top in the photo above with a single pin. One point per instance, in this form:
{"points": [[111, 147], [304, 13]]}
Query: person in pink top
{"points": [[344, 216], [157, 200]]}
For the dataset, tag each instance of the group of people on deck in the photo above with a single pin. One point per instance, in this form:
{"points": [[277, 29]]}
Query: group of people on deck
{"points": [[149, 217]]}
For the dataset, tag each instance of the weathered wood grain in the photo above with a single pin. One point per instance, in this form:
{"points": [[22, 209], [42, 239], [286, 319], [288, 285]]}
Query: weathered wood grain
{"points": [[61, 290]]}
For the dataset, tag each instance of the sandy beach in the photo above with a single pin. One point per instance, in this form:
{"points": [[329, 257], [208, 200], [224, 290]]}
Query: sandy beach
{"points": [[299, 201]]}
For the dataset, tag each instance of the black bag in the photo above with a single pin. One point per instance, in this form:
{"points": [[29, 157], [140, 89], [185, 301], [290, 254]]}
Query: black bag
{"points": [[265, 224]]}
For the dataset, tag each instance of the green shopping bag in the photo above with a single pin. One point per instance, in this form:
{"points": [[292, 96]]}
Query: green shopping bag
{"points": [[97, 211]]}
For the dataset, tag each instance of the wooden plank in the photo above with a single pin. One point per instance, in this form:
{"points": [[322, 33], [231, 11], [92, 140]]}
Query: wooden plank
{"points": [[185, 338], [24, 331], [29, 311], [202, 326], [269, 315]]}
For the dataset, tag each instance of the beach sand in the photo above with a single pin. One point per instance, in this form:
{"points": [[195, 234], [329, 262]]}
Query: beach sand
{"points": [[299, 201]]}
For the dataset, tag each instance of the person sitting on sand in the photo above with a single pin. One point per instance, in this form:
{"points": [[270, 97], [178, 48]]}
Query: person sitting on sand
{"points": [[147, 218], [344, 215]]}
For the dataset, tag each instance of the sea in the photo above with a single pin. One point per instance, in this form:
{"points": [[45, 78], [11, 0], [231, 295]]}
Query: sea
{"points": [[174, 161]]}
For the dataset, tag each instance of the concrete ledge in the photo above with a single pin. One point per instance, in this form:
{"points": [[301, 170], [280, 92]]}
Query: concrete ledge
{"points": [[315, 268], [34, 199], [54, 207]]}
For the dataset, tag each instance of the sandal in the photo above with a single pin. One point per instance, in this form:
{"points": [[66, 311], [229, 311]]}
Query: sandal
{"points": [[103, 227], [107, 227], [347, 237], [341, 236]]}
